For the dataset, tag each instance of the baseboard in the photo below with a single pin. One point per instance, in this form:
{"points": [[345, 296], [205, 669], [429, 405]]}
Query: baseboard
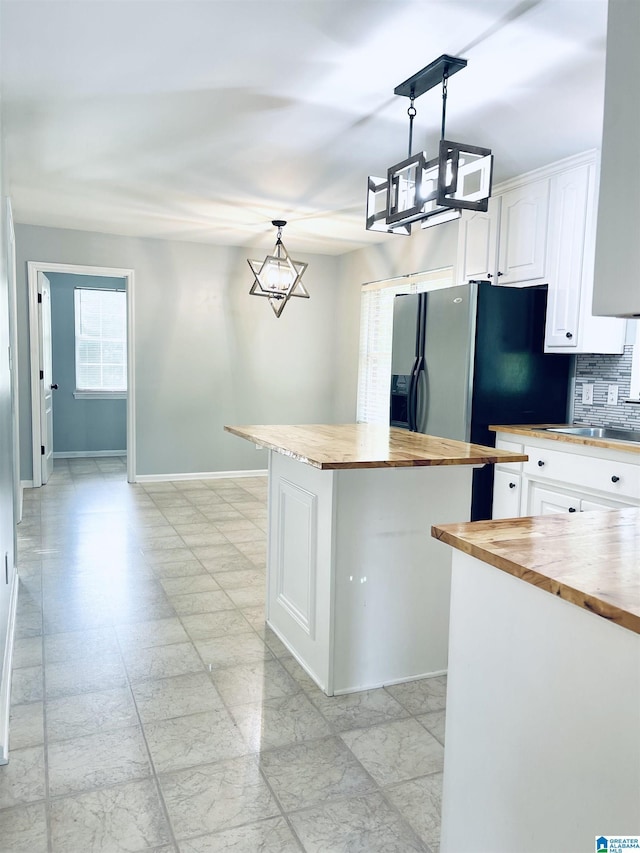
{"points": [[86, 454], [26, 484], [5, 687], [206, 475]]}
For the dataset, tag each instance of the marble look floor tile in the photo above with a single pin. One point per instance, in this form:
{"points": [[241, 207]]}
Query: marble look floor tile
{"points": [[26, 685], [358, 710], [178, 569], [267, 836], [217, 796], [126, 818], [26, 725], [170, 555], [85, 676], [420, 802], [145, 635], [434, 722], [395, 752], [242, 578], [205, 626], [255, 616], [162, 661], [196, 739], [204, 539], [175, 697], [221, 512], [143, 611], [24, 829], [307, 774], [248, 596], [76, 645], [191, 584], [275, 644], [22, 779], [89, 713], [360, 825], [27, 652], [232, 649], [253, 682], [29, 624], [183, 515], [281, 721], [252, 534], [418, 697], [96, 761], [201, 602]]}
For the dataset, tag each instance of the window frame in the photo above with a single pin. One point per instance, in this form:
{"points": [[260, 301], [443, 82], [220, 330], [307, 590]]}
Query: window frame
{"points": [[98, 393]]}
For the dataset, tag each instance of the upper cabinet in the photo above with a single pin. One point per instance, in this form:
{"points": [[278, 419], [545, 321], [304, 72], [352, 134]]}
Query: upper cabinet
{"points": [[540, 229], [616, 291]]}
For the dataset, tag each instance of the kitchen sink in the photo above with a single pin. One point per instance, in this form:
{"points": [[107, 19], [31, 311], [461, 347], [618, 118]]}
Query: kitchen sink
{"points": [[598, 432]]}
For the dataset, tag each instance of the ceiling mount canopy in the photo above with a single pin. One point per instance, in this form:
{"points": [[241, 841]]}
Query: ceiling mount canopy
{"points": [[278, 277], [430, 191]]}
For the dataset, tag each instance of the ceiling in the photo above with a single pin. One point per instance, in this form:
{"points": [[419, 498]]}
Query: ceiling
{"points": [[203, 120]]}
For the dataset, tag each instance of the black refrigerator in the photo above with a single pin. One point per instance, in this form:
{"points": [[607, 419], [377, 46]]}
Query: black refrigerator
{"points": [[469, 356]]}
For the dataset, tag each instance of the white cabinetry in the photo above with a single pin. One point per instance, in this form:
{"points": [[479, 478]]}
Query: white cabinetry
{"points": [[565, 477], [540, 229], [522, 246]]}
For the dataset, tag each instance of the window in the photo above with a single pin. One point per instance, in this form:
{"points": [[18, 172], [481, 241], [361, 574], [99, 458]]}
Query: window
{"points": [[376, 332], [101, 342]]}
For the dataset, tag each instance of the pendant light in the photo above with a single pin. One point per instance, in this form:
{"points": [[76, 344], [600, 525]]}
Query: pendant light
{"points": [[430, 191], [278, 277]]}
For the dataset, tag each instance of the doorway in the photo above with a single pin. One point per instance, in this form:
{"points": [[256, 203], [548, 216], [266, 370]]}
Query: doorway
{"points": [[44, 384]]}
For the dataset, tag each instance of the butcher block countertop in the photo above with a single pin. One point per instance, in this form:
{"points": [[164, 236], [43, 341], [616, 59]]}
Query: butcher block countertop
{"points": [[591, 559], [538, 431], [368, 446]]}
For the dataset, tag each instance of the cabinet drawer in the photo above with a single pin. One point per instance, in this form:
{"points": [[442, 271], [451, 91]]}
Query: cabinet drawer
{"points": [[512, 447], [602, 475]]}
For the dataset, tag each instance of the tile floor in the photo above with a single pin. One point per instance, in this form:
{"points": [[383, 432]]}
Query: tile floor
{"points": [[154, 711]]}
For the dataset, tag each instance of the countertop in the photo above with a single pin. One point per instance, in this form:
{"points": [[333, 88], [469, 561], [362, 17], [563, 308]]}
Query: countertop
{"points": [[368, 446], [538, 431], [591, 559]]}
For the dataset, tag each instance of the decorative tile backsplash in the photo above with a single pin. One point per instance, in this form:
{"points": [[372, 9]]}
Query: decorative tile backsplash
{"points": [[602, 371]]}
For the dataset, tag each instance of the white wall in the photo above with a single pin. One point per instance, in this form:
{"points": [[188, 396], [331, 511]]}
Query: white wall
{"points": [[207, 353]]}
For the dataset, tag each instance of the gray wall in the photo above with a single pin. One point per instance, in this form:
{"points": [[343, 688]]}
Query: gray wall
{"points": [[79, 425], [206, 353]]}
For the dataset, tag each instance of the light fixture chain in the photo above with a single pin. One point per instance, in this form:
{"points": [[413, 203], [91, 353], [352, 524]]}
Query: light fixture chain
{"points": [[411, 112], [445, 80]]}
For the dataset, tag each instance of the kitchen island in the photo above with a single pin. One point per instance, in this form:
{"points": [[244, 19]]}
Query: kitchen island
{"points": [[356, 588], [543, 694]]}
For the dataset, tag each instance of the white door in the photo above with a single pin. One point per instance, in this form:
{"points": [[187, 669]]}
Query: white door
{"points": [[478, 243], [523, 234], [506, 494], [46, 380], [543, 501]]}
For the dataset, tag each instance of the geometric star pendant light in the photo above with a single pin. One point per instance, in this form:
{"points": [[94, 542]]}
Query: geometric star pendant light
{"points": [[278, 277], [430, 191]]}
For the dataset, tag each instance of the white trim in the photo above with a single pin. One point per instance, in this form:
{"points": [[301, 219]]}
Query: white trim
{"points": [[13, 350], [100, 395], [5, 688], [634, 392], [26, 484], [206, 475], [35, 267], [86, 454]]}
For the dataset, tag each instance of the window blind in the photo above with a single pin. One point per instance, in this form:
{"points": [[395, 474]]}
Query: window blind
{"points": [[101, 340], [376, 333]]}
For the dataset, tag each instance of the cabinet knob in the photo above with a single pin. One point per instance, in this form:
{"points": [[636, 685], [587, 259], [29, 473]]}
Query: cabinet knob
{"points": [[540, 463], [512, 485], [569, 335], [499, 273], [615, 479], [572, 509], [489, 275]]}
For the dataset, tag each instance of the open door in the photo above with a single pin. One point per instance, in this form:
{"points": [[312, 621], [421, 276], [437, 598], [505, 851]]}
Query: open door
{"points": [[46, 378]]}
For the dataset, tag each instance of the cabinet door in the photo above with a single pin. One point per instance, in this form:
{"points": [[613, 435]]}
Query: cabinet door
{"points": [[523, 234], [506, 494], [588, 505], [567, 232], [544, 501], [478, 243]]}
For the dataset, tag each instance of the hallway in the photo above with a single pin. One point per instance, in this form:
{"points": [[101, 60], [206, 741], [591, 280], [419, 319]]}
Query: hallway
{"points": [[152, 710]]}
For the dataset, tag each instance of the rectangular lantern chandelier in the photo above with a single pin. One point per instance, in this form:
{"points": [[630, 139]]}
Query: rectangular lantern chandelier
{"points": [[436, 190]]}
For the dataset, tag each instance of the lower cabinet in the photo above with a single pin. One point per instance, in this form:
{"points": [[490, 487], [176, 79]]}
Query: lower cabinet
{"points": [[564, 477]]}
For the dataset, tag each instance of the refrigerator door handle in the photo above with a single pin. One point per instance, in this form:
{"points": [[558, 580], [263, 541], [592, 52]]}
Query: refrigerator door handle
{"points": [[420, 369], [411, 397]]}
